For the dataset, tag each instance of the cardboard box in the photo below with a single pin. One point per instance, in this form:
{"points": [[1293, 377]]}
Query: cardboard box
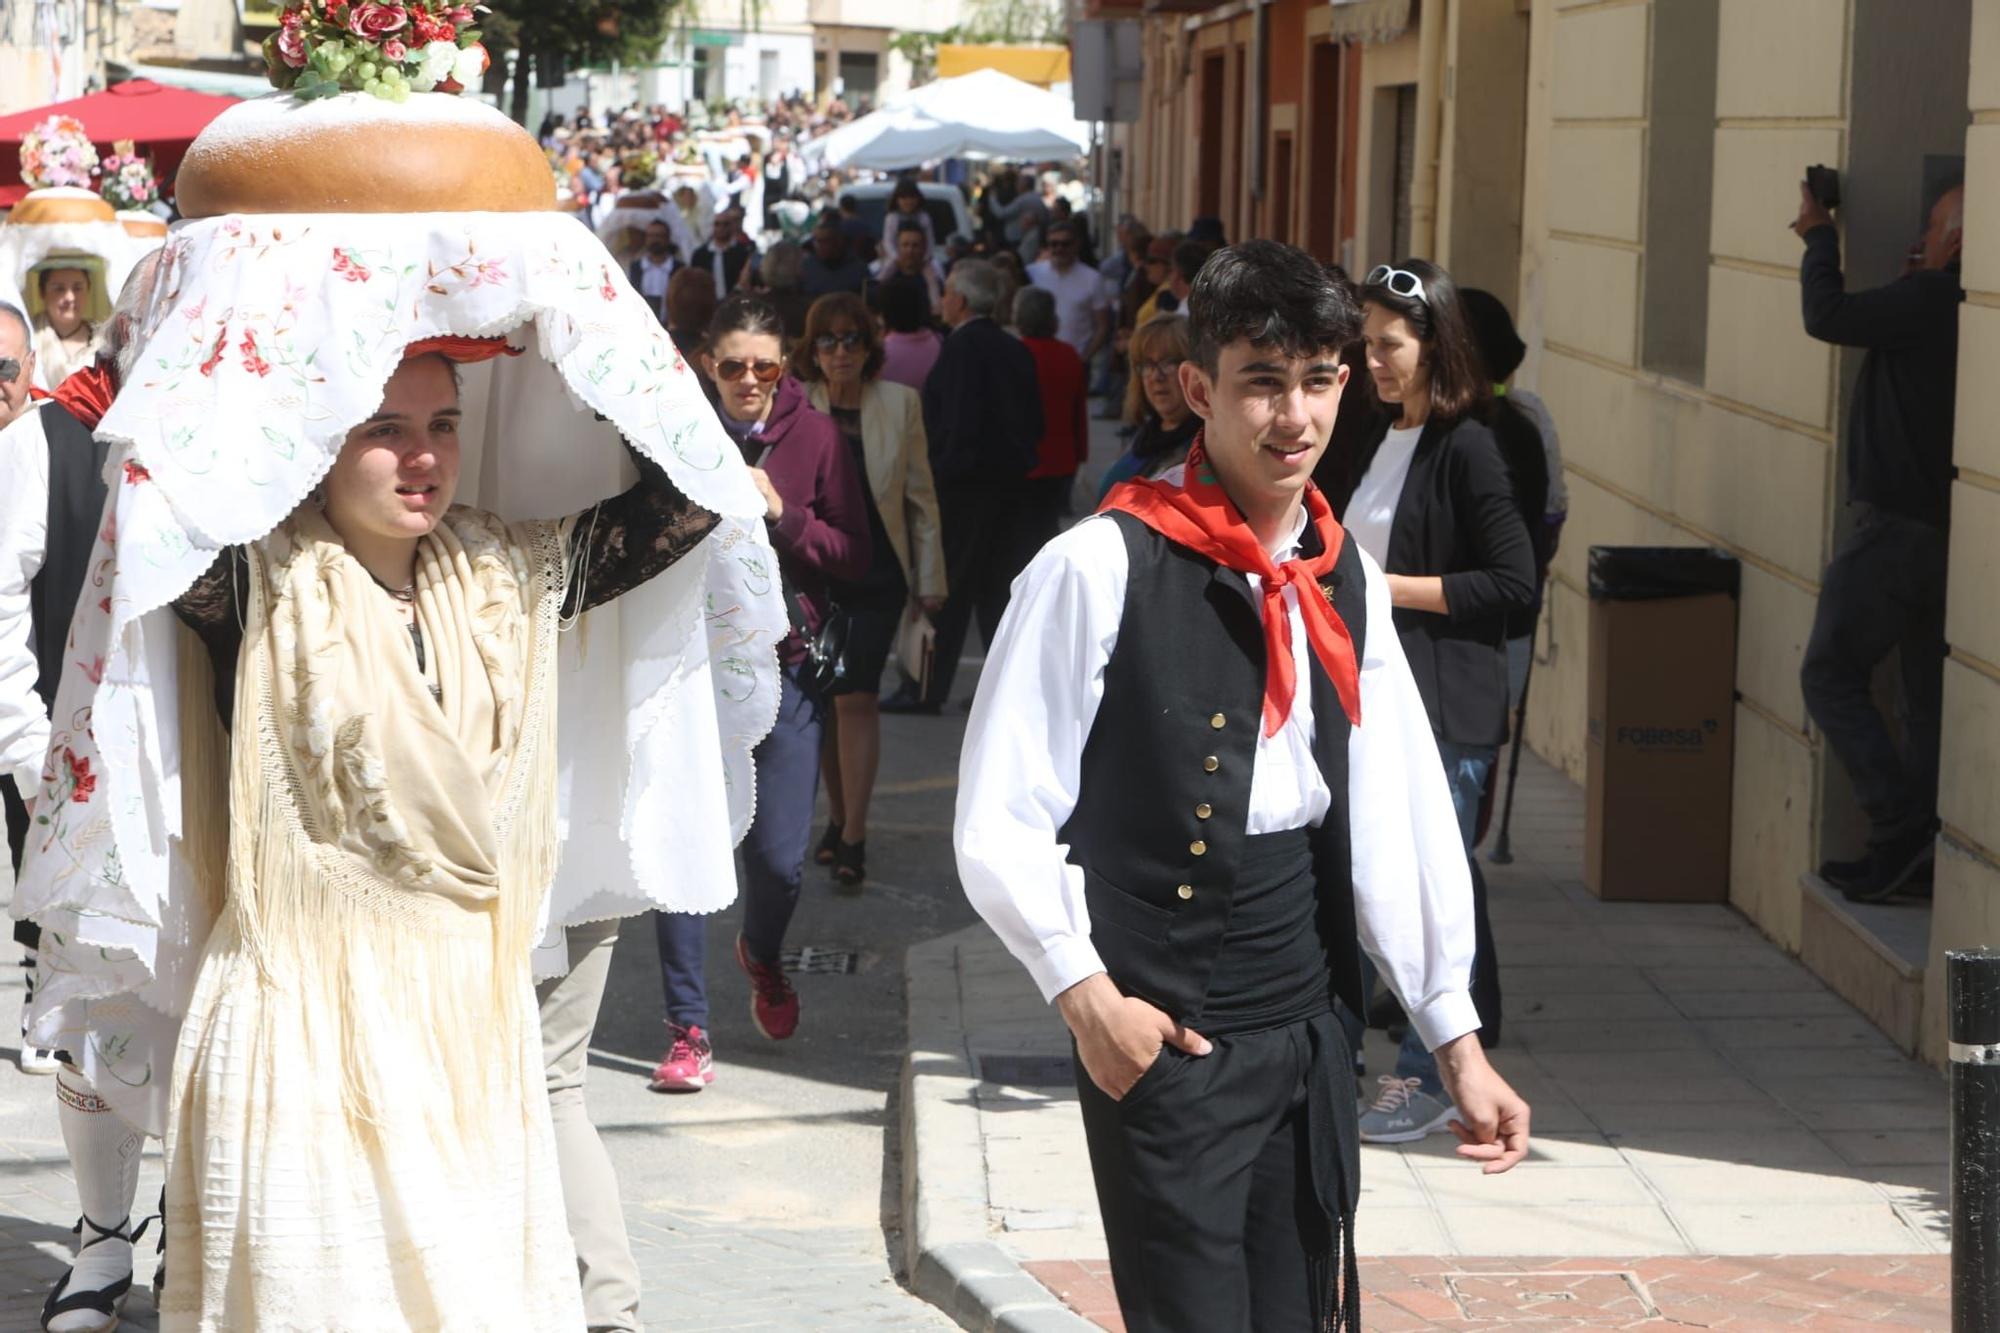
{"points": [[1659, 748]]}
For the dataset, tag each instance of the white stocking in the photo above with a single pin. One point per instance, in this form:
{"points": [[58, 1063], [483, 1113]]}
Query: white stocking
{"points": [[104, 1153]]}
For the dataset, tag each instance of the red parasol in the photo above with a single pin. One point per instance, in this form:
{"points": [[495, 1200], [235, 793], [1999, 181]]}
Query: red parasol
{"points": [[163, 121]]}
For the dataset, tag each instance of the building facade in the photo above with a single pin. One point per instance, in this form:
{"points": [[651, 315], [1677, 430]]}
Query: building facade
{"points": [[734, 52], [1623, 172]]}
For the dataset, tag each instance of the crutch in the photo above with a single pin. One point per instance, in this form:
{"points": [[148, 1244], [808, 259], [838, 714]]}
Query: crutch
{"points": [[1503, 850]]}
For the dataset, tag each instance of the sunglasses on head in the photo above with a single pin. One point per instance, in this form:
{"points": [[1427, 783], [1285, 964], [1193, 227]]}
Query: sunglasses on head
{"points": [[10, 369], [732, 370], [1400, 281], [827, 342]]}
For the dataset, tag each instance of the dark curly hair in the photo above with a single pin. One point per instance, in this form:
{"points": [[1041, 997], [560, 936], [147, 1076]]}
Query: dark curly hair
{"points": [[1273, 295]]}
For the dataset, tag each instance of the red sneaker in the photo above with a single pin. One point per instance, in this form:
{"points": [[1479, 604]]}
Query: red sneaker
{"points": [[774, 1005], [688, 1065]]}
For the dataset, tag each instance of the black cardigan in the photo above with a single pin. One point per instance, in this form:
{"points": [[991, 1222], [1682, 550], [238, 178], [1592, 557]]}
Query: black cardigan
{"points": [[1458, 518]]}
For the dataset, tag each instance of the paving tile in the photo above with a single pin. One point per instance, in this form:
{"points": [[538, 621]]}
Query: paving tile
{"points": [[1583, 1036], [1638, 1119], [1738, 1184], [1384, 1230], [1584, 1229], [1533, 1185], [1828, 1227], [1891, 1147], [1670, 1148]]}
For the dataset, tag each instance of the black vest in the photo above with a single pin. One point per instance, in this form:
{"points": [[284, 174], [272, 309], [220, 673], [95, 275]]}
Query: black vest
{"points": [[1160, 819], [76, 507]]}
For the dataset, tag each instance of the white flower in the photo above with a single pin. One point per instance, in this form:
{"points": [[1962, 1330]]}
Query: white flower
{"points": [[439, 58], [469, 66]]}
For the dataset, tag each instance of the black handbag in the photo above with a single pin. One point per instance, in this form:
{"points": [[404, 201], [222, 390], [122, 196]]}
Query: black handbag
{"points": [[826, 650]]}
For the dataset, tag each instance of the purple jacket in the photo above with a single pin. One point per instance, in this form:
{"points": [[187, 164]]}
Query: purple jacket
{"points": [[824, 532]]}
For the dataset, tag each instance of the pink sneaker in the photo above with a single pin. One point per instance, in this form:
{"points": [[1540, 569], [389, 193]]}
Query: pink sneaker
{"points": [[774, 1005], [688, 1065]]}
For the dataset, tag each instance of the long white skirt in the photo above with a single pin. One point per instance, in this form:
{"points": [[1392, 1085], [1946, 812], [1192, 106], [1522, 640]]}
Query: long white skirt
{"points": [[284, 1215]]}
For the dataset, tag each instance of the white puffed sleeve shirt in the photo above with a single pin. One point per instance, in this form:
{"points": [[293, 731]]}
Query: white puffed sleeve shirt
{"points": [[1019, 775]]}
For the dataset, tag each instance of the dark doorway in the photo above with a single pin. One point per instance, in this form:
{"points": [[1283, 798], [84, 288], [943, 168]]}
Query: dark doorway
{"points": [[1322, 195], [1208, 183], [1279, 225]]}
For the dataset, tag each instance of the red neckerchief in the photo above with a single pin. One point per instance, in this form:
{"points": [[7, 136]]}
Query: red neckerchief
{"points": [[38, 395], [1199, 515], [87, 394]]}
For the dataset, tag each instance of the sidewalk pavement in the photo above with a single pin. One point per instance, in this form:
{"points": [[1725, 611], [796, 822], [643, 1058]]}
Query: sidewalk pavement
{"points": [[1702, 1105]]}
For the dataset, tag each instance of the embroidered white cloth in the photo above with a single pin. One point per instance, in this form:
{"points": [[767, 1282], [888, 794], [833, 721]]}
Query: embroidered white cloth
{"points": [[269, 338]]}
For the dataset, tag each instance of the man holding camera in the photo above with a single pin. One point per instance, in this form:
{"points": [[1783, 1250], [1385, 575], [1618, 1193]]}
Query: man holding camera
{"points": [[1884, 589]]}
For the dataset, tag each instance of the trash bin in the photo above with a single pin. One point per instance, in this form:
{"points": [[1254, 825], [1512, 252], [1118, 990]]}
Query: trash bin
{"points": [[1661, 737]]}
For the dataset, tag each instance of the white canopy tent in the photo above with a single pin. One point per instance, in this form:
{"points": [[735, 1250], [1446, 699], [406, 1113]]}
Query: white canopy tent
{"points": [[982, 114]]}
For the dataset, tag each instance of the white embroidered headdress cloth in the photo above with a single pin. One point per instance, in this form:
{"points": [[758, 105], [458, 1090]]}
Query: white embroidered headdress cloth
{"points": [[60, 223], [271, 335]]}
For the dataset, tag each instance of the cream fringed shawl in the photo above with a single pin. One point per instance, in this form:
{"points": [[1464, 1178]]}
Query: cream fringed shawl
{"points": [[388, 850]]}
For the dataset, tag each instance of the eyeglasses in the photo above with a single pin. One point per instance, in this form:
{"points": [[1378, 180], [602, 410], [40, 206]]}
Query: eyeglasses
{"points": [[847, 342], [1165, 369], [10, 369], [732, 370], [1400, 281]]}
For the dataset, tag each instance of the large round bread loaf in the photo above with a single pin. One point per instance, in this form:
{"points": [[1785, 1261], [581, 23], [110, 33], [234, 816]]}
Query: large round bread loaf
{"points": [[138, 222], [60, 206], [355, 153]]}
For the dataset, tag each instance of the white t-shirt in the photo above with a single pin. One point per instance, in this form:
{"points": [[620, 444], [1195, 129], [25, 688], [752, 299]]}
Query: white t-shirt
{"points": [[1079, 297], [654, 276], [1371, 513]]}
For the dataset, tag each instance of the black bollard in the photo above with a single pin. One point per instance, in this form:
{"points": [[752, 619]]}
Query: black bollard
{"points": [[1972, 984]]}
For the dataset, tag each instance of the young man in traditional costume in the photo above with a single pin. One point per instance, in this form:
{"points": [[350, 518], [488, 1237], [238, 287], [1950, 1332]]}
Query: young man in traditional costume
{"points": [[356, 751], [1198, 783]]}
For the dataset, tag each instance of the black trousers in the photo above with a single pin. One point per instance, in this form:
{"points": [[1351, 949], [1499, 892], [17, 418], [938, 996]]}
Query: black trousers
{"points": [[989, 532], [1883, 593], [25, 932], [1208, 1185]]}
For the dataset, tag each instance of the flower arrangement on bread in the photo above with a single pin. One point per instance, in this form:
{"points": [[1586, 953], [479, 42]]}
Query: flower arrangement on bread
{"points": [[57, 152], [324, 47]]}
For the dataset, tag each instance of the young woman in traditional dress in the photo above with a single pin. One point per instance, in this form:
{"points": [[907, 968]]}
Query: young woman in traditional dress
{"points": [[360, 1134]]}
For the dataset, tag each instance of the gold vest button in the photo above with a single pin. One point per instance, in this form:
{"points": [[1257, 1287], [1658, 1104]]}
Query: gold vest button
{"points": [[1210, 764], [1204, 810], [1186, 891], [1198, 847], [1217, 721]]}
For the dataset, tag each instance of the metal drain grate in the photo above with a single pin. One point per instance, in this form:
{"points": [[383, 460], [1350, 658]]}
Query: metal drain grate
{"points": [[820, 962], [1028, 1071]]}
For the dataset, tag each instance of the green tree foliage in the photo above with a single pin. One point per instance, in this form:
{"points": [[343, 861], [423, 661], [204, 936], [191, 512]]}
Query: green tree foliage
{"points": [[577, 32]]}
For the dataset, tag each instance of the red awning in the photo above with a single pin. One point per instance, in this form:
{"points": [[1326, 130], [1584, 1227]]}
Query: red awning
{"points": [[163, 121]]}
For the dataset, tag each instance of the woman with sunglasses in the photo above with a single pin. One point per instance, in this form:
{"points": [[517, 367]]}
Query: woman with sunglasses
{"points": [[1433, 504], [882, 424], [816, 512], [1155, 403]]}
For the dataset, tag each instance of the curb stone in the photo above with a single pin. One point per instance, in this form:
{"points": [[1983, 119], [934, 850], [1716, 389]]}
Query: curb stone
{"points": [[950, 1254]]}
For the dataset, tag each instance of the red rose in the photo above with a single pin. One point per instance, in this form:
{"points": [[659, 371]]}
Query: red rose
{"points": [[292, 46], [394, 51], [374, 22]]}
